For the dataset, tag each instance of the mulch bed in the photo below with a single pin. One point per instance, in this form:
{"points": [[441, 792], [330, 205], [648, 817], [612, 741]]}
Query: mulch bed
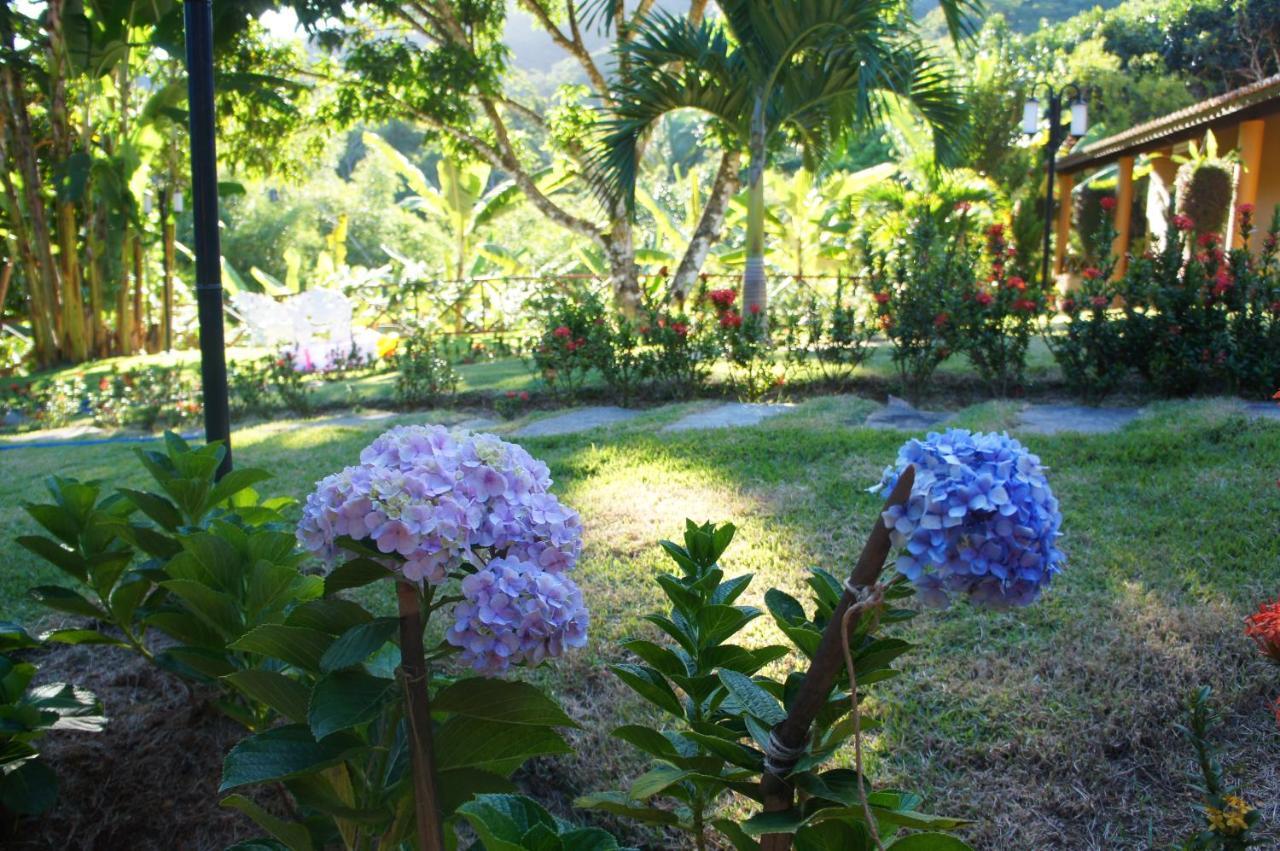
{"points": [[150, 779]]}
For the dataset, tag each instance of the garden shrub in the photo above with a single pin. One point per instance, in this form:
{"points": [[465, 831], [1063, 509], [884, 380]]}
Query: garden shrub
{"points": [[249, 386], [1179, 306], [1253, 324], [117, 563], [622, 359], [511, 404], [699, 756], [744, 342], [835, 336], [290, 383], [569, 344], [679, 353], [994, 321], [28, 786], [424, 375], [914, 288], [149, 397], [1229, 819], [1090, 347]]}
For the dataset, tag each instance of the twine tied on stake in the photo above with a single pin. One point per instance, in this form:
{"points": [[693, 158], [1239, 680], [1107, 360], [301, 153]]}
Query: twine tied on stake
{"points": [[865, 598]]}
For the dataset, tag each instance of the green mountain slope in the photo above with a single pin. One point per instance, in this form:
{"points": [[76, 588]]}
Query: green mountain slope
{"points": [[1024, 16]]}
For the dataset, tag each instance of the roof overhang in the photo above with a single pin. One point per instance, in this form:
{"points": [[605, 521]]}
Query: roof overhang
{"points": [[1254, 101]]}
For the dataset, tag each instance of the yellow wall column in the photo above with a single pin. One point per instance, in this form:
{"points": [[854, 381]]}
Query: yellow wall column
{"points": [[1250, 173], [1065, 184], [1123, 216]]}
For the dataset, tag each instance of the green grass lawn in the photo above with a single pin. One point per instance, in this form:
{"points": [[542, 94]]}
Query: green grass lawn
{"points": [[1050, 727]]}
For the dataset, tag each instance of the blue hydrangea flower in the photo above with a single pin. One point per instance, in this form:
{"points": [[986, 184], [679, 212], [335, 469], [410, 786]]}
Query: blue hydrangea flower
{"points": [[982, 522]]}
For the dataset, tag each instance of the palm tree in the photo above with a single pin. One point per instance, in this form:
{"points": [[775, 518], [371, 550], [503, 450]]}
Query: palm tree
{"points": [[801, 72]]}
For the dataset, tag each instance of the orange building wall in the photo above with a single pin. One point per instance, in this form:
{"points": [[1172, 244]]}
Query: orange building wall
{"points": [[1268, 179]]}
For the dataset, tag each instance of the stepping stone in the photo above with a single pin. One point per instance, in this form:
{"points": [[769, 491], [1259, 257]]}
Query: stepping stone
{"points": [[729, 415], [1052, 419], [900, 415], [476, 424], [582, 419], [360, 419]]}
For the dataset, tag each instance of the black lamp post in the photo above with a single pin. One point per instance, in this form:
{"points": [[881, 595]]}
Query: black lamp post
{"points": [[204, 213], [1057, 134]]}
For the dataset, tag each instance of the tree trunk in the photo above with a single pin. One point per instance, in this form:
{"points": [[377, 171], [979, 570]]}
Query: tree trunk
{"points": [[170, 258], [710, 222], [97, 267], [43, 337], [74, 343], [124, 299], [619, 248], [42, 278], [755, 293], [139, 283]]}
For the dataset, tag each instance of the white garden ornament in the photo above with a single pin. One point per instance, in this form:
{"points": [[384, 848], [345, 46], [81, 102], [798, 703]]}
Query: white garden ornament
{"points": [[314, 327]]}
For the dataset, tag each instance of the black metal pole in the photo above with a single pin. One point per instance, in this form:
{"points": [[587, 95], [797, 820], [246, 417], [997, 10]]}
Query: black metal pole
{"points": [[1055, 127], [204, 211]]}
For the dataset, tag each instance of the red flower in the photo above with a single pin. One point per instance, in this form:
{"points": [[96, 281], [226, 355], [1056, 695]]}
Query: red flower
{"points": [[755, 310], [941, 320], [1016, 283], [1245, 209], [1108, 203], [562, 331], [681, 329], [1263, 626], [524, 395], [983, 298], [723, 298], [730, 319], [1207, 240], [1100, 301], [1182, 222], [1068, 305], [1221, 283], [995, 230], [1091, 273], [511, 394], [644, 330], [882, 298]]}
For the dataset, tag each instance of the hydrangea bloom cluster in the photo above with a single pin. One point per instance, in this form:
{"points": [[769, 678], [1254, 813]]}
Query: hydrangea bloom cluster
{"points": [[981, 522], [513, 612], [439, 503]]}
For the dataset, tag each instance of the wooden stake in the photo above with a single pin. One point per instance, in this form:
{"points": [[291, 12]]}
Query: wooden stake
{"points": [[413, 670], [793, 732]]}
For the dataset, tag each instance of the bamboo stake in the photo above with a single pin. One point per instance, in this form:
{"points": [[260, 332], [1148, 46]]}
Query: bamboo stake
{"points": [[413, 670], [793, 732]]}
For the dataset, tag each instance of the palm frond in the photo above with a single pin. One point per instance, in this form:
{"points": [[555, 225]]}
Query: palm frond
{"points": [[675, 65]]}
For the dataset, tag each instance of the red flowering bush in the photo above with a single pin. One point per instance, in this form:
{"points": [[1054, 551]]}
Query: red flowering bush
{"points": [[996, 318], [1201, 318], [569, 345], [1086, 341], [744, 342], [678, 354], [913, 289]]}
